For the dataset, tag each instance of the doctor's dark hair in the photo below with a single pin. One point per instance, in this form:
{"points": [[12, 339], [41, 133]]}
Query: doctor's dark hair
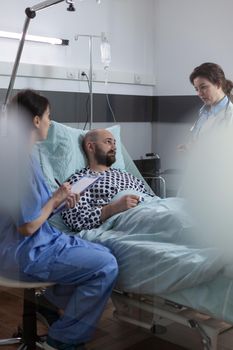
{"points": [[29, 103], [214, 73]]}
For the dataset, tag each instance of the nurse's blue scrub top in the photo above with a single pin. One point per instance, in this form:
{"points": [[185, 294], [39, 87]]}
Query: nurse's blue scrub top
{"points": [[20, 256]]}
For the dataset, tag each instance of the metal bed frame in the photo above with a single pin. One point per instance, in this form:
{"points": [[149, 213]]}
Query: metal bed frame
{"points": [[155, 314]]}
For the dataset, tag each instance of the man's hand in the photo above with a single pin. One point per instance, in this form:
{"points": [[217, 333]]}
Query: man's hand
{"points": [[122, 204], [126, 202]]}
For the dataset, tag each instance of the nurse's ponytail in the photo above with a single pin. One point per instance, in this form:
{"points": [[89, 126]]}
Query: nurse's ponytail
{"points": [[228, 88]]}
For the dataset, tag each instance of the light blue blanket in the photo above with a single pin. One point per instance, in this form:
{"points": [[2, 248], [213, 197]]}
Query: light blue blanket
{"points": [[156, 250], [155, 247]]}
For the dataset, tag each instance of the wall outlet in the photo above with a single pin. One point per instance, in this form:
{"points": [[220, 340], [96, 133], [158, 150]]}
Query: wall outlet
{"points": [[84, 75], [71, 74], [137, 79]]}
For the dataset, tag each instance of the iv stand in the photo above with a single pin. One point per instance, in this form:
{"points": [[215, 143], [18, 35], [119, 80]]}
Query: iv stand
{"points": [[90, 37]]}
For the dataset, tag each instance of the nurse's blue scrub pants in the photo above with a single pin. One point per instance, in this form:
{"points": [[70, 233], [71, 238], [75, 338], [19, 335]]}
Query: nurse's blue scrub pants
{"points": [[85, 275]]}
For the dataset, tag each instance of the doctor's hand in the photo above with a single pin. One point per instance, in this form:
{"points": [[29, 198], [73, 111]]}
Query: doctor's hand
{"points": [[185, 147]]}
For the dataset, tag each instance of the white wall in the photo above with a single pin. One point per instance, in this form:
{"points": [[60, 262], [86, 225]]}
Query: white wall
{"points": [[189, 33], [127, 23]]}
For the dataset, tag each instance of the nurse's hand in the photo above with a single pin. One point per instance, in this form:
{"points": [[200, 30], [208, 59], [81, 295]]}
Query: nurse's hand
{"points": [[64, 194], [72, 200], [61, 194]]}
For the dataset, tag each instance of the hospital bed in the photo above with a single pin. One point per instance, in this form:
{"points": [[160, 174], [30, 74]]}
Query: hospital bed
{"points": [[206, 305]]}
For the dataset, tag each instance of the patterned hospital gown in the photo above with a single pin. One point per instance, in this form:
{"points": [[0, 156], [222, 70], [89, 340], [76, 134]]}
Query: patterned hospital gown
{"points": [[87, 212]]}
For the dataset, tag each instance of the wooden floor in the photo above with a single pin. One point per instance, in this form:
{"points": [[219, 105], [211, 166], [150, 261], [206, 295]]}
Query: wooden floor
{"points": [[110, 335]]}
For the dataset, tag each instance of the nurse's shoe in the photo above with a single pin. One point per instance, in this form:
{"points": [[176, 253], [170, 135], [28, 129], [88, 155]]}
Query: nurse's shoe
{"points": [[52, 344]]}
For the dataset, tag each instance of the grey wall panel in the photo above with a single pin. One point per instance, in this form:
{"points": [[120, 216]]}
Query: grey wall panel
{"points": [[176, 109], [71, 107]]}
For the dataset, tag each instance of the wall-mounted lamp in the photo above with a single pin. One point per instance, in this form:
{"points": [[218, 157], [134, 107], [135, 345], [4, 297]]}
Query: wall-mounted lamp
{"points": [[71, 5], [35, 38]]}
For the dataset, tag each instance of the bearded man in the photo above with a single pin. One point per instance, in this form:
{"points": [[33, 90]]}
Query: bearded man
{"points": [[97, 203]]}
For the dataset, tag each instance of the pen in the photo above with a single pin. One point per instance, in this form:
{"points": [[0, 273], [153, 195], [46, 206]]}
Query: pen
{"points": [[57, 182], [56, 210]]}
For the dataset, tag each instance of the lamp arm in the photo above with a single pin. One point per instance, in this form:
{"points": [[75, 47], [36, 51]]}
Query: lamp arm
{"points": [[42, 5], [30, 13], [16, 63]]}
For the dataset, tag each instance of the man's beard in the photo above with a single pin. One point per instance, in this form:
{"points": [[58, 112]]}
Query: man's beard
{"points": [[105, 158]]}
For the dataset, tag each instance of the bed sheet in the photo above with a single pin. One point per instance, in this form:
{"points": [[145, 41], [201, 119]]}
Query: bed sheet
{"points": [[157, 255], [156, 248], [213, 298]]}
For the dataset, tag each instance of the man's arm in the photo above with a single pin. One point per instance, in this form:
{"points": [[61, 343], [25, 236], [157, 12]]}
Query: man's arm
{"points": [[85, 216], [96, 206], [122, 204]]}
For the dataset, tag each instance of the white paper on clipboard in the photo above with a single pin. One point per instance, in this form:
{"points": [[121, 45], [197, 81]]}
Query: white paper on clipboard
{"points": [[78, 187], [83, 183]]}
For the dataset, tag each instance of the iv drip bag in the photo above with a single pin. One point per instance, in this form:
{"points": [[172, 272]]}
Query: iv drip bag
{"points": [[105, 51]]}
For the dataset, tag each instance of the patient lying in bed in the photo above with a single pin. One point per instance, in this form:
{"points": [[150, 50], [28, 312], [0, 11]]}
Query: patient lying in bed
{"points": [[157, 233], [153, 241], [96, 203]]}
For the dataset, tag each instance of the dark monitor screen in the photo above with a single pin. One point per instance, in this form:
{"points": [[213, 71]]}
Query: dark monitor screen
{"points": [[146, 166]]}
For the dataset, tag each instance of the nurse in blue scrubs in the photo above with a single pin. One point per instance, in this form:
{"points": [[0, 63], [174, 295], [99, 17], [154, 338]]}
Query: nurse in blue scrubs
{"points": [[214, 90], [31, 249]]}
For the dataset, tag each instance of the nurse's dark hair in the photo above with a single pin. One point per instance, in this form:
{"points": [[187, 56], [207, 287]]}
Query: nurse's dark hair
{"points": [[30, 103], [214, 73]]}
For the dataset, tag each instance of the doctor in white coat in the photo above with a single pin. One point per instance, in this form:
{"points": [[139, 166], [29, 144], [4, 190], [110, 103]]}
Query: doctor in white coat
{"points": [[214, 90]]}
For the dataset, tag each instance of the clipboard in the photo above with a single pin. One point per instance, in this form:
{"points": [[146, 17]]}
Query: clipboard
{"points": [[84, 183], [79, 187]]}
